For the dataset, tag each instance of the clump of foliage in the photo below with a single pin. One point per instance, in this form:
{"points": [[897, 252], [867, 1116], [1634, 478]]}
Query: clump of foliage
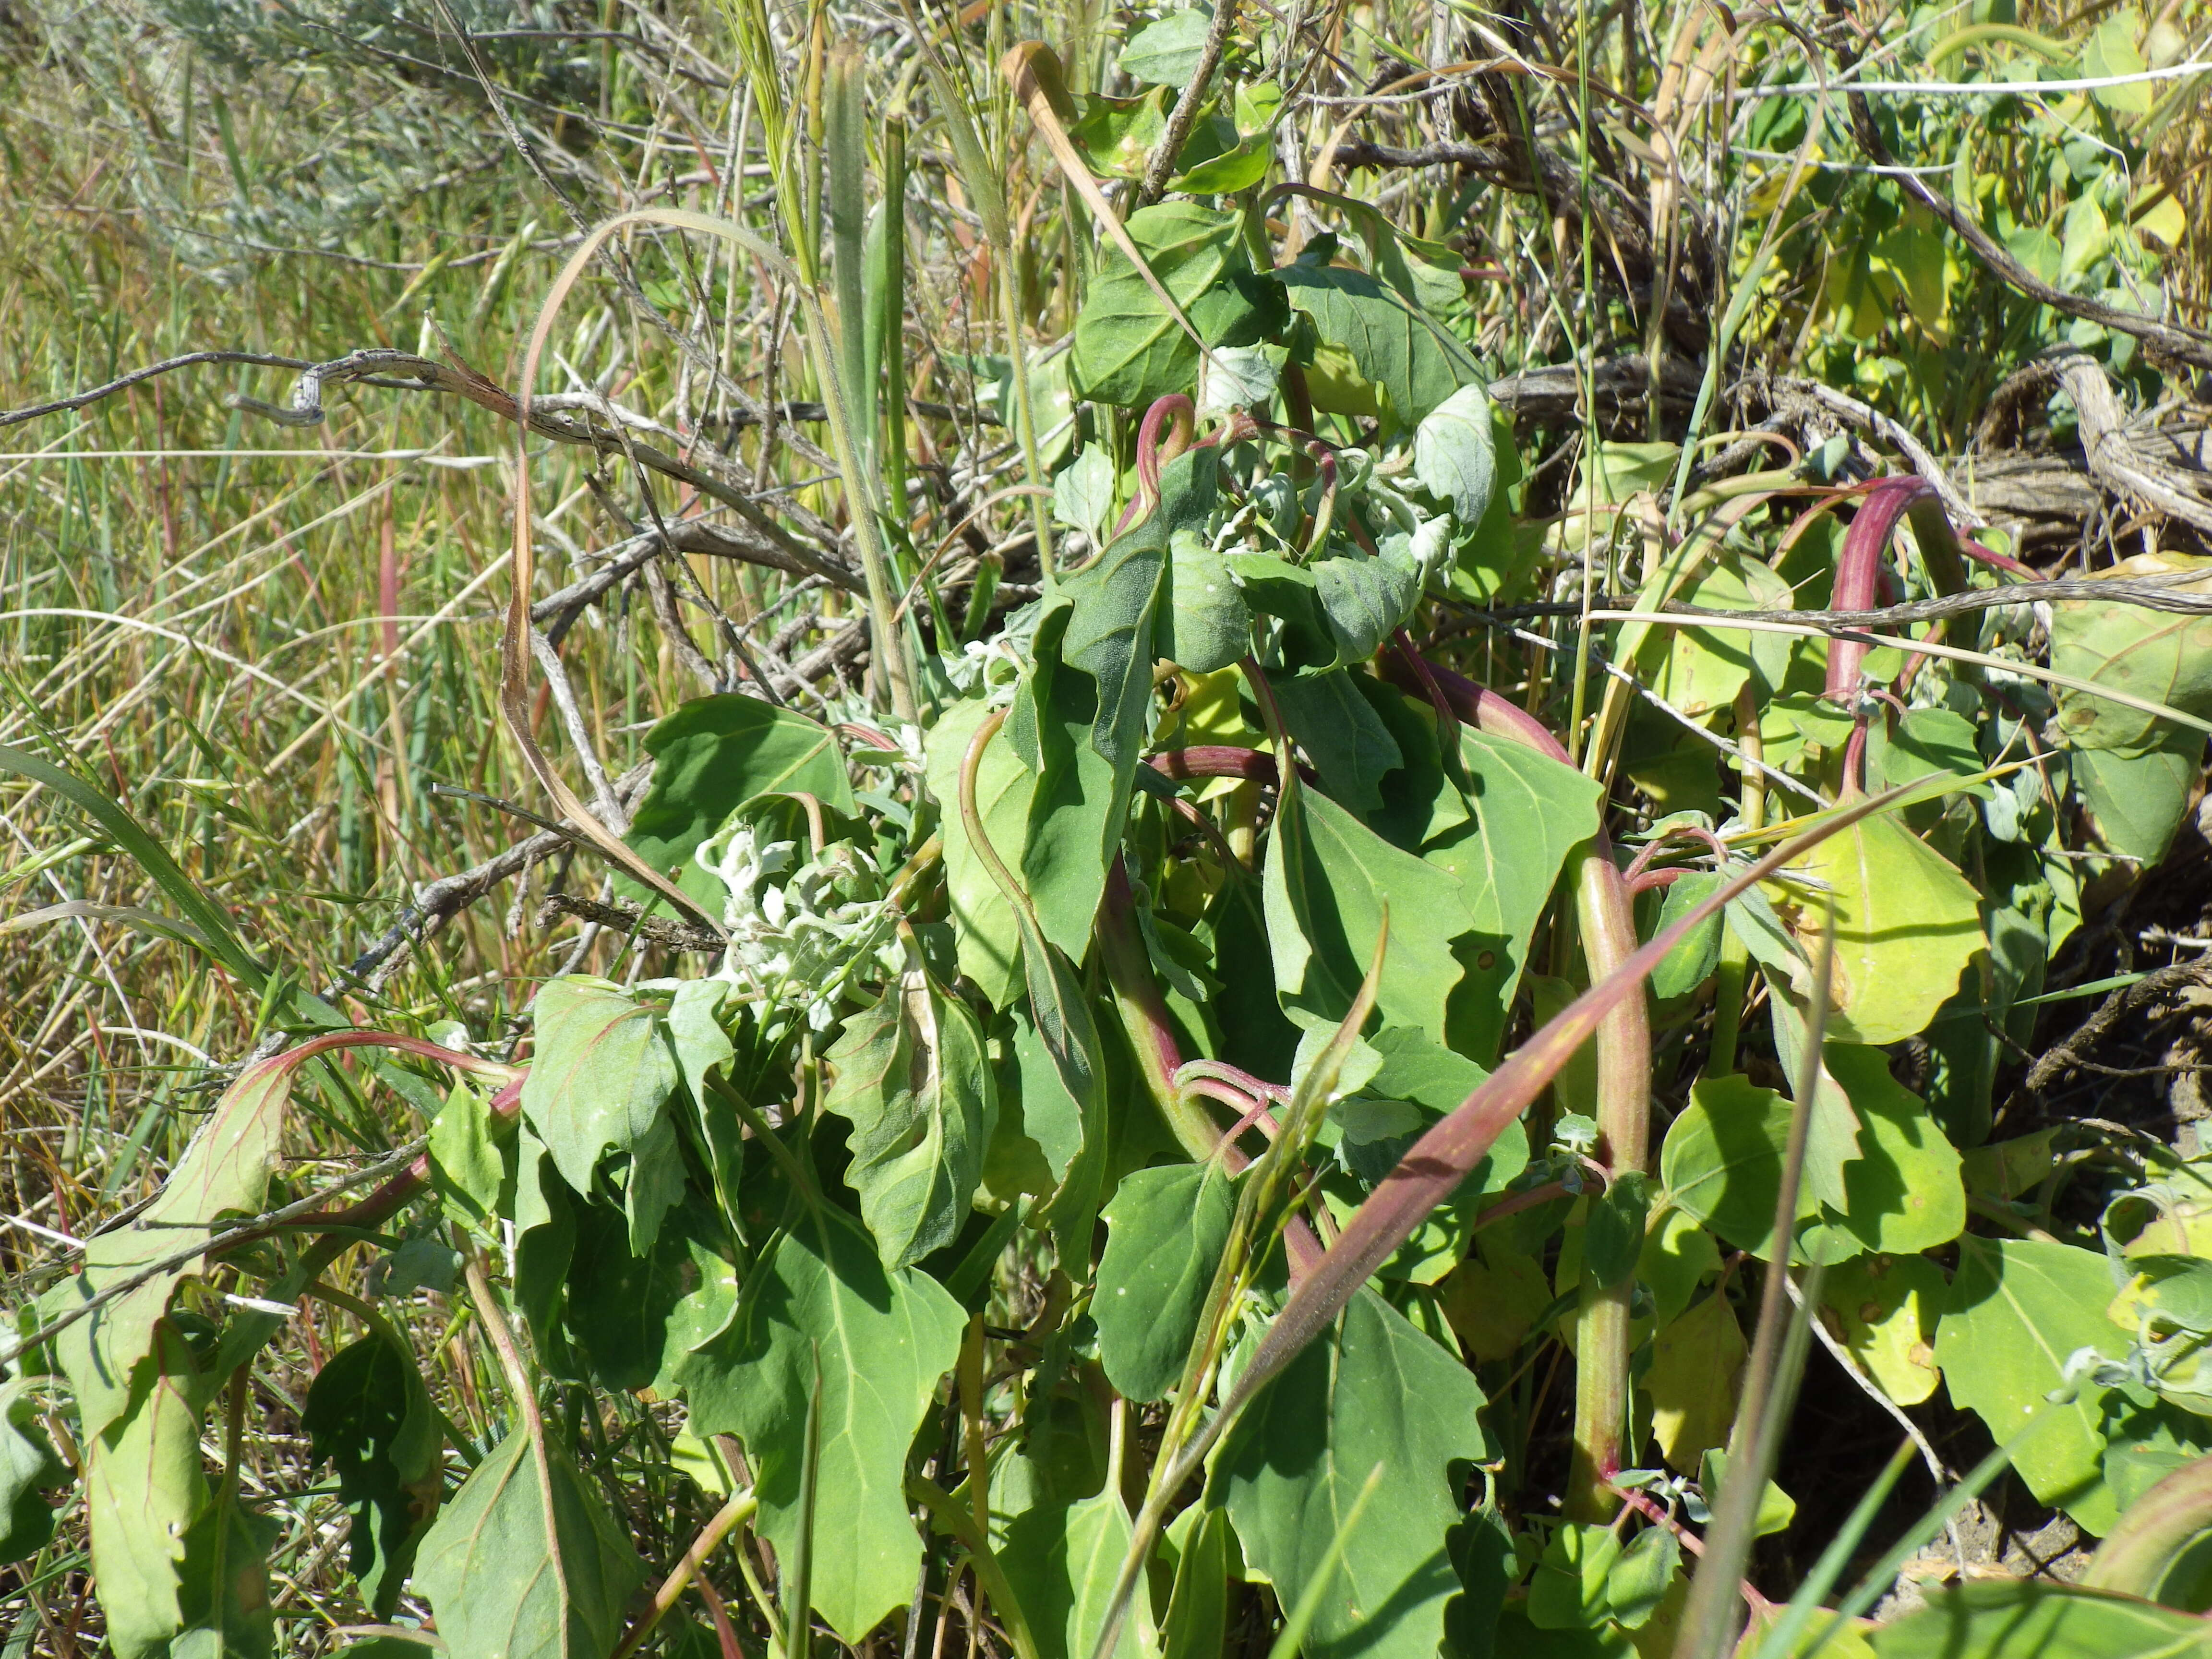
{"points": [[1285, 1035]]}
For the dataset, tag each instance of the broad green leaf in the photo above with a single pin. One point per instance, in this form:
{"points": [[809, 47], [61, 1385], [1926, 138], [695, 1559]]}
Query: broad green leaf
{"points": [[1903, 1194], [1165, 1231], [1128, 349], [710, 756], [468, 1168], [984, 930], [1083, 494], [1700, 670], [1885, 1309], [2155, 655], [634, 1318], [1927, 741], [1691, 963], [1365, 599], [1722, 1161], [1530, 812], [910, 1075], [1678, 1256], [1568, 1590], [1776, 1508], [2022, 1618], [2140, 797], [1061, 1562], [1376, 1391], [1421, 802], [28, 1468], [1327, 883], [2110, 51], [1197, 1623], [1083, 708], [144, 1490], [1167, 53], [2018, 1310], [1696, 1364], [600, 1077], [1455, 454], [703, 1049], [1413, 360], [1205, 624], [1834, 1137], [225, 1169], [525, 1562], [1907, 925], [545, 1234], [1333, 722], [884, 1338], [1639, 1582], [369, 1415]]}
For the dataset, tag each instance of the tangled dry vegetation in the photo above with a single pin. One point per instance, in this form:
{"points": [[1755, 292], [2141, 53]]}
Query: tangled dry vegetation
{"points": [[268, 290]]}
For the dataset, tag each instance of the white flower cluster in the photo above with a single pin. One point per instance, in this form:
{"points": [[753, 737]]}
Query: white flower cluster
{"points": [[798, 932]]}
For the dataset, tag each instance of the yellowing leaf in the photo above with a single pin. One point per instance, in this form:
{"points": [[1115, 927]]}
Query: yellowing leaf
{"points": [[1493, 1306], [1907, 924], [1884, 1309], [1696, 1365]]}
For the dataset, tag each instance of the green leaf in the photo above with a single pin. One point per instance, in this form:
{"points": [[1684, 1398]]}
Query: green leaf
{"points": [[985, 932], [1904, 1192], [1128, 349], [368, 1415], [884, 1338], [636, 1317], [1167, 53], [1333, 722], [1691, 961], [1375, 1391], [1421, 801], [1530, 812], [1197, 1625], [471, 1173], [1927, 741], [143, 1491], [600, 1077], [525, 1562], [1700, 670], [1412, 360], [2111, 50], [2017, 1618], [1365, 599], [1062, 1562], [1455, 453], [28, 1468], [910, 1075], [2140, 797], [2155, 655], [1722, 1161], [711, 756], [1327, 881], [225, 1169], [1166, 1230], [1083, 708], [545, 1234], [1205, 625], [1907, 925], [1641, 1578], [1697, 1367], [1568, 1589], [2018, 1310]]}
